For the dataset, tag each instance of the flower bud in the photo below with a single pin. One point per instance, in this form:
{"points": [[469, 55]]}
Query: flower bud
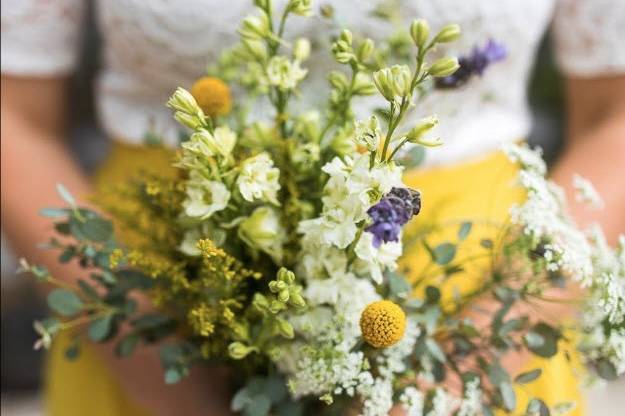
{"points": [[262, 231], [182, 100], [285, 328], [255, 27], [301, 49], [300, 7], [365, 50], [444, 67], [192, 122], [338, 80], [383, 82], [402, 80], [297, 300], [286, 276], [363, 85], [448, 33], [346, 36], [273, 286], [419, 32], [238, 350], [420, 129], [283, 296], [276, 306]]}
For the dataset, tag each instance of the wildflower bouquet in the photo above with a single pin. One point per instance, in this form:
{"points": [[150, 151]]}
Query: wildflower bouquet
{"points": [[274, 248]]}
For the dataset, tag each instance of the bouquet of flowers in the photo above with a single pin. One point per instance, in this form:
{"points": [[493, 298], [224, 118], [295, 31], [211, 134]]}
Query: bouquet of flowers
{"points": [[274, 248]]}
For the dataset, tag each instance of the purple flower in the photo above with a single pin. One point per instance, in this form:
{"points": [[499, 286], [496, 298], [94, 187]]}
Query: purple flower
{"points": [[393, 211], [473, 64]]}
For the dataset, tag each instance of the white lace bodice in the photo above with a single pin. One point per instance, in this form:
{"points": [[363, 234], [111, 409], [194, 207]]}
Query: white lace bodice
{"points": [[150, 47]]}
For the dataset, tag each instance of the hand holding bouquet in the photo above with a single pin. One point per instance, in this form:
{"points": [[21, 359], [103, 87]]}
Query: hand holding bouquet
{"points": [[275, 247]]}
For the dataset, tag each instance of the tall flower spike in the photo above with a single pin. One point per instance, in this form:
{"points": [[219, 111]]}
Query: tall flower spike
{"points": [[393, 211]]}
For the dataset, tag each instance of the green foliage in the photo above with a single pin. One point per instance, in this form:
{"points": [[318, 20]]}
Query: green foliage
{"points": [[65, 302]]}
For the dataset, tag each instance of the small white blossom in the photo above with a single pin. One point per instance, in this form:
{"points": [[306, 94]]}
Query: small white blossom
{"points": [[412, 401], [283, 73], [204, 198], [586, 192], [258, 179]]}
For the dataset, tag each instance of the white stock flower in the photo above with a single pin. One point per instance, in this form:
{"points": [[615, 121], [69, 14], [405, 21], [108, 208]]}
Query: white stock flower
{"points": [[374, 261], [262, 231], [258, 179], [367, 133], [205, 198], [283, 73]]}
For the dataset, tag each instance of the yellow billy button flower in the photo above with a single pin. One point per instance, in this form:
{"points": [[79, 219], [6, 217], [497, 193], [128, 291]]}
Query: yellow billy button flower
{"points": [[212, 95], [382, 323]]}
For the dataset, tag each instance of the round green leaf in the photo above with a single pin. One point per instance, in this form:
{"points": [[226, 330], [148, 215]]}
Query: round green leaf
{"points": [[444, 253], [101, 328], [64, 302]]}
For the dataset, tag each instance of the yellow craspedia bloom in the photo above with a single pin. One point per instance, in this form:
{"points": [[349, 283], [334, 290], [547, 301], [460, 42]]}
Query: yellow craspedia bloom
{"points": [[382, 323], [212, 95]]}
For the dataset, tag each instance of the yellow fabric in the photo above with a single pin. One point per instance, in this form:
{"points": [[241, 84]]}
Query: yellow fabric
{"points": [[85, 387], [481, 190]]}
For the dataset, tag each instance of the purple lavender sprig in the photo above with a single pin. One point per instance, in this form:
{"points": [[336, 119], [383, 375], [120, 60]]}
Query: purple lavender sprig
{"points": [[473, 64], [391, 213]]}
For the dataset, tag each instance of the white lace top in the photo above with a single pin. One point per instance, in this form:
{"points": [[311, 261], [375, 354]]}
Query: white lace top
{"points": [[152, 46]]}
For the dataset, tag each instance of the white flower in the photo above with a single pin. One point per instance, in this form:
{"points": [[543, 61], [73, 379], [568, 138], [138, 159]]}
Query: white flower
{"points": [[205, 198], [586, 192], [202, 144], [188, 245], [283, 73], [412, 401], [472, 400], [367, 133], [529, 159], [442, 404], [262, 231], [375, 260], [259, 179]]}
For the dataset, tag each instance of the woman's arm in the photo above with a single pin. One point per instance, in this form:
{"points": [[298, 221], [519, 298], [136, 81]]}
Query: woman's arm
{"points": [[595, 148], [34, 160]]}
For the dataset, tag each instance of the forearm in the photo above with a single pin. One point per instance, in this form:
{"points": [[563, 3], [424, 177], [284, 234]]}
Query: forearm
{"points": [[598, 155], [32, 165]]}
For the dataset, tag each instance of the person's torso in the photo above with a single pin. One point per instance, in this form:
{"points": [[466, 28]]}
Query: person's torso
{"points": [[152, 47]]}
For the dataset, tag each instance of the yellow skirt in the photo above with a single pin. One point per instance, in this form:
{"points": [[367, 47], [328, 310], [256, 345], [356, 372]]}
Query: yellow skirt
{"points": [[481, 190]]}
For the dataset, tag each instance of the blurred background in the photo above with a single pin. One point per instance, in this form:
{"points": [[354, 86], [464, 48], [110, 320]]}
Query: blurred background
{"points": [[21, 366]]}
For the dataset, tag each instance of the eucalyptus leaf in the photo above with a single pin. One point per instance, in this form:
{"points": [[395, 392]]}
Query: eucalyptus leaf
{"points": [[398, 285], [101, 328], [444, 253], [464, 230], [435, 350], [550, 337], [507, 395], [528, 376], [54, 212], [606, 370], [65, 194], [173, 375], [537, 407], [73, 351], [486, 243], [127, 345], [65, 302], [97, 229]]}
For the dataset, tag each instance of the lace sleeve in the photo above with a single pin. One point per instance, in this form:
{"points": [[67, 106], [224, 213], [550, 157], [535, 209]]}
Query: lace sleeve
{"points": [[590, 36], [40, 37]]}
